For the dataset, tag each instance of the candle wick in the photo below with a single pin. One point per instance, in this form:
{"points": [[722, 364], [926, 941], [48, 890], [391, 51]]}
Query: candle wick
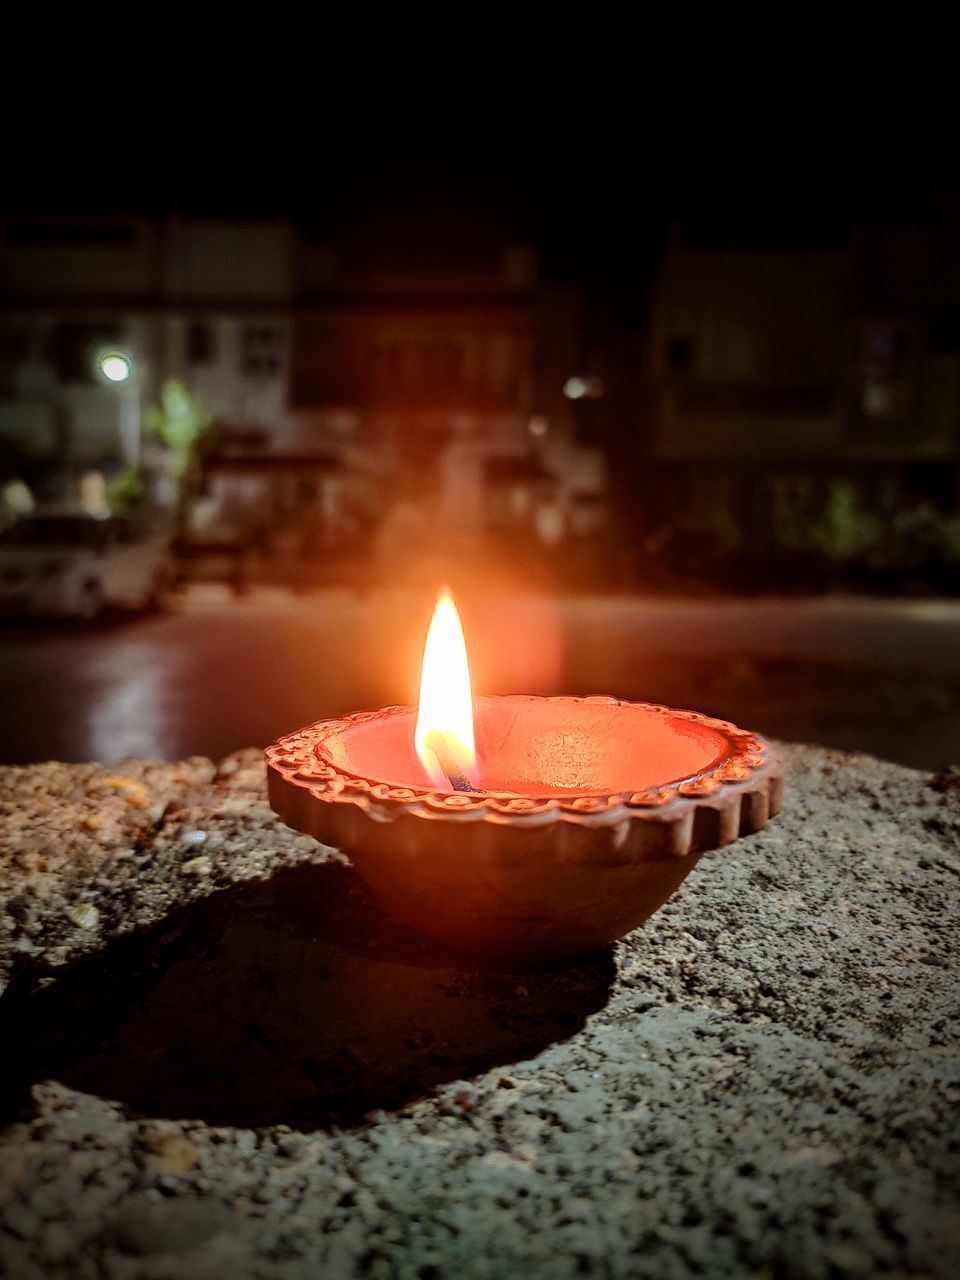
{"points": [[437, 743]]}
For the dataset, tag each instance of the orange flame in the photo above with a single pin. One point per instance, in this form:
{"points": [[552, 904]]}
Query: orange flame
{"points": [[446, 701]]}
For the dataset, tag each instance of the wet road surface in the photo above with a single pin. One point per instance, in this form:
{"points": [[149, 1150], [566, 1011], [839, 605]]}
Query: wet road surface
{"points": [[213, 674]]}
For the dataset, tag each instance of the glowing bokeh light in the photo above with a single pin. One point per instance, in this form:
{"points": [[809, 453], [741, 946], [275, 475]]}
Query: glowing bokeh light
{"points": [[116, 367]]}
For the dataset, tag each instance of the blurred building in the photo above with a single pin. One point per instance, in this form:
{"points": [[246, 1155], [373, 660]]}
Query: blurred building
{"points": [[206, 300], [370, 397], [776, 364], [348, 391], [451, 377]]}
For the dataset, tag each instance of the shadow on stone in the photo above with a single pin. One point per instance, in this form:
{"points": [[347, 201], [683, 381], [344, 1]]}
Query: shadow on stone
{"points": [[294, 1001]]}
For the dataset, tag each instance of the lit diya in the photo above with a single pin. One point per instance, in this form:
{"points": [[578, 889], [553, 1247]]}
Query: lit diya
{"points": [[525, 829]]}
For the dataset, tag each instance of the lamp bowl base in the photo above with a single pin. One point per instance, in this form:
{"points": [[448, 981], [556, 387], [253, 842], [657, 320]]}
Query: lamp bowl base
{"points": [[593, 812]]}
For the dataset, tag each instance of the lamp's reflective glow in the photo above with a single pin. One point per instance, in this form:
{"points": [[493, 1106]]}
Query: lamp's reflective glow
{"points": [[446, 700], [116, 367]]}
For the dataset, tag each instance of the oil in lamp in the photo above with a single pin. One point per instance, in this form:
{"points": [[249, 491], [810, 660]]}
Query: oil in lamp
{"points": [[522, 829]]}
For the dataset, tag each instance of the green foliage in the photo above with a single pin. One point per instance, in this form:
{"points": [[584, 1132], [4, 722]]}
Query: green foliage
{"points": [[916, 540], [825, 535], [844, 530], [182, 422], [126, 490]]}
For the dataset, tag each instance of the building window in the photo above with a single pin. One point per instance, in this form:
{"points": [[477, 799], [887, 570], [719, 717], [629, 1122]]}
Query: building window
{"points": [[502, 369], [884, 372], [679, 355], [261, 351], [386, 364], [398, 368], [945, 330], [201, 347], [441, 363], [14, 349]]}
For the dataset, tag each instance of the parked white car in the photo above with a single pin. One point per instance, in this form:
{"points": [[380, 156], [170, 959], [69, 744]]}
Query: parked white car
{"points": [[77, 565]]}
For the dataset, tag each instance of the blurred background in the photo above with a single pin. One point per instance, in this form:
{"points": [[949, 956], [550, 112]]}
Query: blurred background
{"points": [[683, 436]]}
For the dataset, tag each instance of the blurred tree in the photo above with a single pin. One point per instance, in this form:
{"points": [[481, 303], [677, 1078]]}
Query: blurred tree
{"points": [[185, 425], [844, 529], [182, 422], [920, 540], [126, 491]]}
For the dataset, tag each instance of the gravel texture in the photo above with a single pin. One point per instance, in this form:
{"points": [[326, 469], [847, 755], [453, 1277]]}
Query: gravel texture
{"points": [[221, 1060]]}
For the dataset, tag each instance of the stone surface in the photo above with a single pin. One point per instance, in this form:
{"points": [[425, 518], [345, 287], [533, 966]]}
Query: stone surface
{"points": [[215, 1073]]}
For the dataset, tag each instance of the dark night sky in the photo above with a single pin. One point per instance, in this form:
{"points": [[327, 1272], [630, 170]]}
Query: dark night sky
{"points": [[594, 201]]}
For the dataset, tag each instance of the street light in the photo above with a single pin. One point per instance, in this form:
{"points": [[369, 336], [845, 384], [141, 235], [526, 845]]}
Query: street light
{"points": [[117, 367]]}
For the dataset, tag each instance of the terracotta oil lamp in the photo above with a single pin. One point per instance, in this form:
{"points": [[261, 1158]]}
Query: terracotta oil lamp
{"points": [[522, 829]]}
